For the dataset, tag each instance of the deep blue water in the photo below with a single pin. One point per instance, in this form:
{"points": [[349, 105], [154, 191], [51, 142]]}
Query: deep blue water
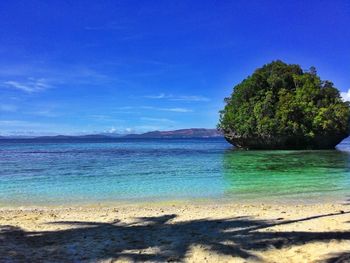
{"points": [[92, 171]]}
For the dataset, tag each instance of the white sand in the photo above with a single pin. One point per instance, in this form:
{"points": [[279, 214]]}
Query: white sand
{"points": [[197, 232]]}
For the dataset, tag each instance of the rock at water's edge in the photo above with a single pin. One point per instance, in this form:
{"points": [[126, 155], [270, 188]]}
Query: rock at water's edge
{"points": [[285, 143]]}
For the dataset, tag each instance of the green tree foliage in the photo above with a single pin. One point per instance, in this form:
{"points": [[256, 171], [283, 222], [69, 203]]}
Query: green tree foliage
{"points": [[283, 100]]}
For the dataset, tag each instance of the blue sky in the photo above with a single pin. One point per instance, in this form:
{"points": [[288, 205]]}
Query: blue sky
{"points": [[75, 67]]}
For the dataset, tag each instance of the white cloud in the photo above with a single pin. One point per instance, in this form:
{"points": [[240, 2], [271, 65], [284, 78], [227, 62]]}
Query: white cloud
{"points": [[29, 86], [186, 98], [345, 95], [112, 130]]}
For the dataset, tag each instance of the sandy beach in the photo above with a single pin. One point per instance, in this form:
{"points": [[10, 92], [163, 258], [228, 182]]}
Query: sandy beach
{"points": [[173, 232]]}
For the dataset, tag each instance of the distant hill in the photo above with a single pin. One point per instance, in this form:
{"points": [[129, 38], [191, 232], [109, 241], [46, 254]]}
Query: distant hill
{"points": [[88, 136], [15, 137], [62, 137], [183, 133]]}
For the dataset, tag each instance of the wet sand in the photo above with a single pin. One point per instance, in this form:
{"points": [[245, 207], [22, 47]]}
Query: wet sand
{"points": [[173, 232]]}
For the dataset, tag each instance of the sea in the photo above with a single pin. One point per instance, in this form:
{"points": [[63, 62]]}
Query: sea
{"points": [[94, 171]]}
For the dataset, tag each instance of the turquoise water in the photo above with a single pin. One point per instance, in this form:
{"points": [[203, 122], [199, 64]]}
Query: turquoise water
{"points": [[92, 171]]}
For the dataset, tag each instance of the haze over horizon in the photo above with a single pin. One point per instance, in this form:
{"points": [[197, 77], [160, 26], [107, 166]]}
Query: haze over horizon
{"points": [[81, 67]]}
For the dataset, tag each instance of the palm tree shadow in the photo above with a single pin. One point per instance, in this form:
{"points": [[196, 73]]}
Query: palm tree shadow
{"points": [[338, 258], [154, 238]]}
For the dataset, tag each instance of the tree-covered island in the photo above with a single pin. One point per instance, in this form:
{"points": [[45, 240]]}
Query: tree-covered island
{"points": [[280, 106]]}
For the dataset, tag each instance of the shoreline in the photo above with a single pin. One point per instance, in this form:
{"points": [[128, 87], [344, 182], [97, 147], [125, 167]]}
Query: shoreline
{"points": [[176, 231], [181, 201]]}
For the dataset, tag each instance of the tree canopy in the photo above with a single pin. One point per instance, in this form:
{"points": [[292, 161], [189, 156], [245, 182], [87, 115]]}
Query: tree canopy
{"points": [[281, 100]]}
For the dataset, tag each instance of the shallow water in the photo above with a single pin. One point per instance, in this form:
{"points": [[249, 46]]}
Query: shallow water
{"points": [[92, 171]]}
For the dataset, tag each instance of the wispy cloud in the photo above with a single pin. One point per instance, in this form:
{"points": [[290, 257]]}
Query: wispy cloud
{"points": [[28, 77], [190, 98], [8, 107], [125, 30], [145, 128], [128, 109], [157, 119], [181, 110], [176, 109], [29, 86], [104, 118], [187, 98], [124, 108], [345, 95], [44, 113], [18, 124], [106, 27], [160, 96], [23, 127]]}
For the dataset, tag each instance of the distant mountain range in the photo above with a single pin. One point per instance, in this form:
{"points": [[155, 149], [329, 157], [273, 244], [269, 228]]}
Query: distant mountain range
{"points": [[183, 133]]}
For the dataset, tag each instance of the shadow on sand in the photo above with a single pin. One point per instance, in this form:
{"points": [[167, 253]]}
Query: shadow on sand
{"points": [[157, 239]]}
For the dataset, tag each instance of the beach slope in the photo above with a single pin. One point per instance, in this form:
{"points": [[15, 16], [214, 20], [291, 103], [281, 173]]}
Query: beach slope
{"points": [[173, 232]]}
